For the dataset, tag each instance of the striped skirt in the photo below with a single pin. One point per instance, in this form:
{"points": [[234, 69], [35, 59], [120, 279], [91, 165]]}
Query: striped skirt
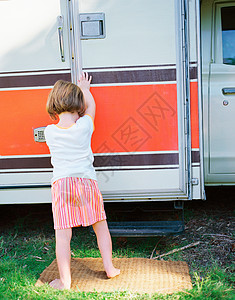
{"points": [[76, 202]]}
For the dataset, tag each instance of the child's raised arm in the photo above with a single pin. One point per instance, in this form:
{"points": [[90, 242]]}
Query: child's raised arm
{"points": [[84, 85]]}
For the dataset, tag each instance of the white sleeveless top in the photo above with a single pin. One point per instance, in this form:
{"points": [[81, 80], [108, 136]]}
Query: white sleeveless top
{"points": [[70, 148]]}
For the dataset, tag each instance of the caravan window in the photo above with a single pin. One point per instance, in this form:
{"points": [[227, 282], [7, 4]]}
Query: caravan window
{"points": [[228, 34]]}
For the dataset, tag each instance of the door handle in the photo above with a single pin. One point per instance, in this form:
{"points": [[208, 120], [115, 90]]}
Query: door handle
{"points": [[60, 23], [228, 91]]}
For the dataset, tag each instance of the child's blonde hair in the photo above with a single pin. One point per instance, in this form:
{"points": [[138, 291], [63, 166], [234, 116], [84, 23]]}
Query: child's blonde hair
{"points": [[65, 96]]}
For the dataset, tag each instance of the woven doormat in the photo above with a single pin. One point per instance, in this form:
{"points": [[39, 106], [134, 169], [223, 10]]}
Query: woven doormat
{"points": [[140, 275]]}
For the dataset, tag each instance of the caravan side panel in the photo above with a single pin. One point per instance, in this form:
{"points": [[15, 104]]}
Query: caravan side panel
{"points": [[138, 69]]}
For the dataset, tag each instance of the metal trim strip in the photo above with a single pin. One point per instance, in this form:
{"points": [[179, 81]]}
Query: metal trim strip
{"points": [[99, 77], [128, 160], [32, 80]]}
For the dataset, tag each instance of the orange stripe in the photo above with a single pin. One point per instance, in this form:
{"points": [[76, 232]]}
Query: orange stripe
{"points": [[119, 109], [21, 111], [194, 114]]}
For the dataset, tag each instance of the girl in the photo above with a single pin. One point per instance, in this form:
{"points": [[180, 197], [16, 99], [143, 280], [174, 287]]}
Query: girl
{"points": [[76, 199]]}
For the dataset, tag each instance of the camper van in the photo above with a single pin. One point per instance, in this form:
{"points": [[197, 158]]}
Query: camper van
{"points": [[164, 84]]}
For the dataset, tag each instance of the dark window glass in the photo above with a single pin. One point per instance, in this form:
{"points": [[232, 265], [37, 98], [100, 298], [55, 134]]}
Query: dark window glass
{"points": [[228, 34]]}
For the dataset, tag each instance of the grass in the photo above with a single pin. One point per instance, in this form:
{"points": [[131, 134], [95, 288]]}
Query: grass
{"points": [[27, 247]]}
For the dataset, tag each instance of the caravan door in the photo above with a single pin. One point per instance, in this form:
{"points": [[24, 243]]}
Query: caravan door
{"points": [[137, 61]]}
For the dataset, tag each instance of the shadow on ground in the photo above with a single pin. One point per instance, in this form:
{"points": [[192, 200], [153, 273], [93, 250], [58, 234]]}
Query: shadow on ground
{"points": [[218, 199]]}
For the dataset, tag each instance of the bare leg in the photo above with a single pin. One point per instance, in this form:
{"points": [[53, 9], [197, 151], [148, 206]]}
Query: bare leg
{"points": [[63, 256], [105, 245]]}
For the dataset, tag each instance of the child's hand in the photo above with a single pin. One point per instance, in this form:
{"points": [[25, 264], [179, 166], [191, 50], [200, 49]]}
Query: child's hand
{"points": [[85, 81]]}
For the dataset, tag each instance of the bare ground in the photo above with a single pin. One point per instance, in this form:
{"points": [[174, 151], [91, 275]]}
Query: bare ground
{"points": [[212, 223]]}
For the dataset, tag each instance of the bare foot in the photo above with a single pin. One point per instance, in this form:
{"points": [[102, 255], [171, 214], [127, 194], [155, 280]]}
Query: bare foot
{"points": [[57, 284], [113, 272]]}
